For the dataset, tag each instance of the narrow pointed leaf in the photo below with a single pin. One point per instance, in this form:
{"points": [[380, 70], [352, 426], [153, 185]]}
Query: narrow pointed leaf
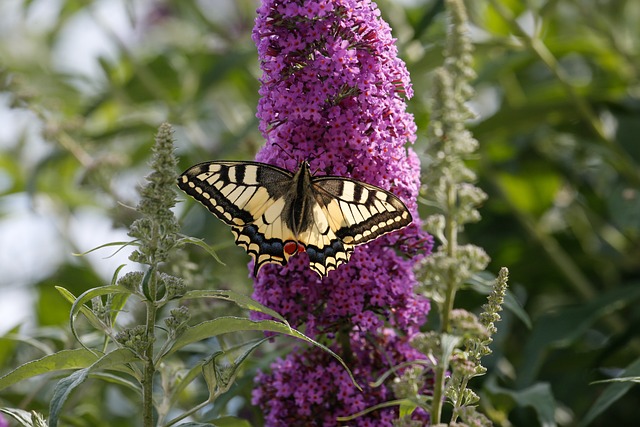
{"points": [[112, 360], [194, 424], [611, 394], [64, 387], [230, 422], [106, 245], [119, 300], [91, 317], [223, 325], [241, 300], [25, 418], [79, 306], [65, 359], [201, 243]]}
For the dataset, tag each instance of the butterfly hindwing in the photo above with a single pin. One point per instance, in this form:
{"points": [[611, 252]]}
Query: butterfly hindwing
{"points": [[275, 214], [326, 251]]}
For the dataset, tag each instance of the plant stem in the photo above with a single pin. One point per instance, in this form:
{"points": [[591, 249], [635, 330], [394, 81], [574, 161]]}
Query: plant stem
{"points": [[451, 234], [458, 403], [149, 367], [451, 230], [438, 387]]}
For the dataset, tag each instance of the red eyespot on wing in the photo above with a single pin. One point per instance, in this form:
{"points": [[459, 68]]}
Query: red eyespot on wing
{"points": [[291, 248]]}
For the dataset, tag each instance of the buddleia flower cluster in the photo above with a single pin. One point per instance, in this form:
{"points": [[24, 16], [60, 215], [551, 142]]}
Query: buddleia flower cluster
{"points": [[333, 92]]}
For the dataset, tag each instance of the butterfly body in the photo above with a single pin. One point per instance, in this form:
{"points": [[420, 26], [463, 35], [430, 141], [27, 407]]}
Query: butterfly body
{"points": [[275, 214]]}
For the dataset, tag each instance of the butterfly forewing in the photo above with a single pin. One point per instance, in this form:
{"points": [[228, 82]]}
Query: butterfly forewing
{"points": [[235, 192], [249, 197], [274, 213], [359, 212]]}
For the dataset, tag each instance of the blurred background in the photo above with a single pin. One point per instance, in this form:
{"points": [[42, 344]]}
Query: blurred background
{"points": [[85, 84]]}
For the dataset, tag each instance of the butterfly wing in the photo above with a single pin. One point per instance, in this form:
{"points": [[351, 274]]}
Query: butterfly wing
{"points": [[250, 197], [263, 203], [349, 213]]}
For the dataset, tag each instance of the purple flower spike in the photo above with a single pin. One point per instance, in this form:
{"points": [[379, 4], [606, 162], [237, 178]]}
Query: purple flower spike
{"points": [[311, 388], [333, 93]]}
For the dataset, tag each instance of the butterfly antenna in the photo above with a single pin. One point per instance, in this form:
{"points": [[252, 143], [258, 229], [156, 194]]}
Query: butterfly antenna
{"points": [[286, 152], [315, 156]]}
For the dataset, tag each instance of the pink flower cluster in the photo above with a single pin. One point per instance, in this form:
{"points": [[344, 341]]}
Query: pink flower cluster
{"points": [[333, 92], [311, 388]]}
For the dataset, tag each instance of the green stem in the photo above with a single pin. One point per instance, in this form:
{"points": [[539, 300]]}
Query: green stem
{"points": [[149, 366], [438, 388], [458, 402], [451, 230]]}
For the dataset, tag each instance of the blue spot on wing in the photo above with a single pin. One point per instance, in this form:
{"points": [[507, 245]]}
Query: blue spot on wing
{"points": [[320, 255]]}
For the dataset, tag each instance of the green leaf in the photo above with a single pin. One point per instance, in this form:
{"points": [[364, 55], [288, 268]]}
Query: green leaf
{"points": [[91, 317], [219, 375], [8, 345], [185, 380], [145, 285], [34, 342], [118, 300], [612, 393], [448, 343], [389, 404], [79, 306], [231, 422], [117, 303], [241, 300], [194, 424], [62, 390], [114, 277], [65, 359], [118, 380], [619, 380], [26, 419], [407, 408], [115, 359], [66, 385], [539, 396], [223, 325], [201, 243], [563, 327], [70, 359], [199, 368], [210, 375], [106, 245]]}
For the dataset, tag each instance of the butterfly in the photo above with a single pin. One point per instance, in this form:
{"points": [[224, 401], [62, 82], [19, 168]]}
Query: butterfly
{"points": [[275, 214]]}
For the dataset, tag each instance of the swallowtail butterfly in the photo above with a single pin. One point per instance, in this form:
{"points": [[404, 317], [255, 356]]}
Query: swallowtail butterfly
{"points": [[274, 213]]}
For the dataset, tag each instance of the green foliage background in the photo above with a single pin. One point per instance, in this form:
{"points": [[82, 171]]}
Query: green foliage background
{"points": [[559, 118]]}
